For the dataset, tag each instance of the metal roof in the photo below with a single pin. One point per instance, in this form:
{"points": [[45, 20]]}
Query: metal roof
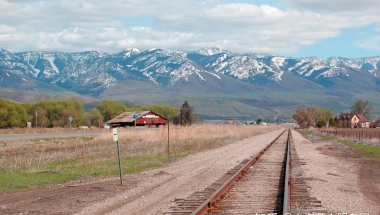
{"points": [[127, 117], [362, 118]]}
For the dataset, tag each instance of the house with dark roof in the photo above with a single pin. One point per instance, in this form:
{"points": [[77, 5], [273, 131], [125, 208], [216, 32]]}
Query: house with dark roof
{"points": [[353, 121], [137, 118]]}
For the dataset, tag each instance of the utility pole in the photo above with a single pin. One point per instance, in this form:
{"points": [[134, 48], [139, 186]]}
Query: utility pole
{"points": [[36, 118], [116, 139], [168, 141]]}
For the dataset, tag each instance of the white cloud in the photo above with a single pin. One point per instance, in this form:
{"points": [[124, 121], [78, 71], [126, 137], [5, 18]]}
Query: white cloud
{"points": [[361, 7], [5, 29], [80, 25], [372, 43]]}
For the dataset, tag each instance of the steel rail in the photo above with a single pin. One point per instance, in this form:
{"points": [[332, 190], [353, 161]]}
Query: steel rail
{"points": [[209, 204], [286, 202]]}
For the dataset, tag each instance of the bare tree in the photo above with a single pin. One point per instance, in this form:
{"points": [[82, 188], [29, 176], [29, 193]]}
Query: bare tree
{"points": [[362, 107], [312, 116], [301, 117], [40, 118]]}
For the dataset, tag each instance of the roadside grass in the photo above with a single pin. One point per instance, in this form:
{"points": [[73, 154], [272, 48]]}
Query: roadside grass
{"points": [[367, 151], [17, 130], [324, 137], [307, 133], [371, 152], [60, 171], [44, 161]]}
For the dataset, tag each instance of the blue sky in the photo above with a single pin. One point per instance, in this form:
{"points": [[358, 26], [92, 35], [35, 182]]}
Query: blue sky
{"points": [[295, 28]]}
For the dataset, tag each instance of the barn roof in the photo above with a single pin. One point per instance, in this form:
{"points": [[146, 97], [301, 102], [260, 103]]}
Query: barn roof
{"points": [[127, 117]]}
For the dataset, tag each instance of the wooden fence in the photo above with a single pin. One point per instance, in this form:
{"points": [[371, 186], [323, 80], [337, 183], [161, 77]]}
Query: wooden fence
{"points": [[357, 134]]}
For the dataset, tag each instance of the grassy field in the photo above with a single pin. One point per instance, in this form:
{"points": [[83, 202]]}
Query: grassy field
{"points": [[367, 148], [36, 162]]}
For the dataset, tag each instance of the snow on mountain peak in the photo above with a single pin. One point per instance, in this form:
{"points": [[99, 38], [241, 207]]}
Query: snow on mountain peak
{"points": [[278, 61], [210, 51], [131, 51], [164, 66], [258, 55]]}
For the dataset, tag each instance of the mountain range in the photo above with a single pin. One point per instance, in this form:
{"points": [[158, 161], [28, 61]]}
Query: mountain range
{"points": [[218, 83]]}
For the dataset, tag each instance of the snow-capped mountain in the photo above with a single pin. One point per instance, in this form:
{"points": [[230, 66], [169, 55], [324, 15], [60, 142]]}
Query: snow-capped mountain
{"points": [[91, 72]]}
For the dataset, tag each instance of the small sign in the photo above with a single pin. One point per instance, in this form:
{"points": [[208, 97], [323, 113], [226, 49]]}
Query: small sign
{"points": [[115, 138], [70, 119], [135, 116], [150, 116]]}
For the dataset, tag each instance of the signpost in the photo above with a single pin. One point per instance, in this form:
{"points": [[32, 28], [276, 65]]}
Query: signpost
{"points": [[116, 139], [168, 142], [70, 119], [135, 116]]}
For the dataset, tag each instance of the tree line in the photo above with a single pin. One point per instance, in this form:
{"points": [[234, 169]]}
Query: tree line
{"points": [[318, 117], [56, 113]]}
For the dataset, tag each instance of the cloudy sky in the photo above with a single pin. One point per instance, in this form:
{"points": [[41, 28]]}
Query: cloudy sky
{"points": [[296, 28]]}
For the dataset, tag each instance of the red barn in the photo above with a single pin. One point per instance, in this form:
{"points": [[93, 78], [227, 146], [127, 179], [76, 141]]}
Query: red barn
{"points": [[139, 118]]}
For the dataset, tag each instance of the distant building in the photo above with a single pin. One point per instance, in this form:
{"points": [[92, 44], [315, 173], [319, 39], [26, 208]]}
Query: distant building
{"points": [[139, 118], [353, 121], [375, 124]]}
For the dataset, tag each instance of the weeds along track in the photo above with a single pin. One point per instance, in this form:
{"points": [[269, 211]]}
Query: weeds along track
{"points": [[255, 186]]}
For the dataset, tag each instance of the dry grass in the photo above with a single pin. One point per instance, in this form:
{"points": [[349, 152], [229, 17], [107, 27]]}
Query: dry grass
{"points": [[37, 153], [181, 139], [35, 162], [46, 130]]}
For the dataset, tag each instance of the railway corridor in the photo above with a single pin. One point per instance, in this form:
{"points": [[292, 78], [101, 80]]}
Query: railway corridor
{"points": [[260, 189]]}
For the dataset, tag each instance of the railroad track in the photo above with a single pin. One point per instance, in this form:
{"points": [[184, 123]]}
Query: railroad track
{"points": [[259, 185]]}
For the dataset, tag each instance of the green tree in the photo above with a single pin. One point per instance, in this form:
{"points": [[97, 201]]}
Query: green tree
{"points": [[258, 121], [324, 116], [110, 109], [333, 121], [12, 114], [95, 117], [186, 115], [163, 110], [29, 109], [58, 112]]}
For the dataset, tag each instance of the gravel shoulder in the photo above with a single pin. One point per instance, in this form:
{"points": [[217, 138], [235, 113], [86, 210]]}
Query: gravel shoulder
{"points": [[338, 179]]}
